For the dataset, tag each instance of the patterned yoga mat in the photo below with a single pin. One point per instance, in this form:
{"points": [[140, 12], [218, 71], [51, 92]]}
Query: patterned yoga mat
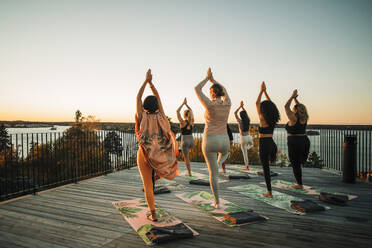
{"points": [[135, 212], [170, 184], [204, 201], [251, 171], [279, 200], [307, 190], [196, 175]]}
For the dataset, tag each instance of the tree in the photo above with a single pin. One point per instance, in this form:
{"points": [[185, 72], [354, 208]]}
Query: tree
{"points": [[4, 138], [113, 144], [78, 115]]}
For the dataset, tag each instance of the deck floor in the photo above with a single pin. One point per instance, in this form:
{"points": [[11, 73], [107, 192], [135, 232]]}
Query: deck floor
{"points": [[81, 215]]}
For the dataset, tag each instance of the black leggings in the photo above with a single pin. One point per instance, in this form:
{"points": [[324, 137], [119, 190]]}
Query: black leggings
{"points": [[268, 150], [298, 150]]}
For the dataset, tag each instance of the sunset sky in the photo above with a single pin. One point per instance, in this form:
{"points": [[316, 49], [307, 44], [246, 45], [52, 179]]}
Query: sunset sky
{"points": [[60, 56]]}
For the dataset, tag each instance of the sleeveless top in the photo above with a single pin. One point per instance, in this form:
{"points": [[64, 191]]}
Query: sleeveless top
{"points": [[158, 145], [185, 131], [297, 128]]}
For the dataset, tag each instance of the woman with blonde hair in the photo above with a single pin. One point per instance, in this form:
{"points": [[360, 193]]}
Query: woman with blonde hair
{"points": [[297, 140], [156, 156], [246, 141], [186, 125], [215, 139]]}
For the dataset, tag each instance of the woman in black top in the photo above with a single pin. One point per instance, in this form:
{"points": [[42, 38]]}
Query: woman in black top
{"points": [[298, 142], [186, 125], [269, 116]]}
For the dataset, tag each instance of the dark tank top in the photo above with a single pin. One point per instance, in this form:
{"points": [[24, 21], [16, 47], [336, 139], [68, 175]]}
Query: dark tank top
{"points": [[266, 130], [297, 128], [185, 131]]}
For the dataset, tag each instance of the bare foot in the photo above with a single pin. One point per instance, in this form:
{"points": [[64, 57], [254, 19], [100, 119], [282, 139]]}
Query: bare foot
{"points": [[189, 175], [246, 168], [216, 205], [152, 217], [223, 171], [297, 186], [268, 194]]}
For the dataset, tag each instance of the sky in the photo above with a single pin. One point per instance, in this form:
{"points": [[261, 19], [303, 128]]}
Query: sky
{"points": [[60, 56]]}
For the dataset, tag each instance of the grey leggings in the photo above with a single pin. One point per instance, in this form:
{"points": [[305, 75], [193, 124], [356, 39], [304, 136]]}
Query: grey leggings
{"points": [[211, 146]]}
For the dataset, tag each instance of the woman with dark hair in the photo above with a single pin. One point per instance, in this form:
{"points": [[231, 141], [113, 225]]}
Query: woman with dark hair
{"points": [[215, 140], [246, 141], [269, 116], [157, 151], [186, 125], [298, 142]]}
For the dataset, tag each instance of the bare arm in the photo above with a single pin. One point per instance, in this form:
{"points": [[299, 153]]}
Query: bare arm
{"points": [[179, 114], [139, 101], [291, 116], [156, 94], [236, 113], [266, 95], [199, 92], [296, 101], [258, 101]]}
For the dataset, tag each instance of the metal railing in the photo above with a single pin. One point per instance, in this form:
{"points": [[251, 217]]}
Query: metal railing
{"points": [[32, 162], [331, 148]]}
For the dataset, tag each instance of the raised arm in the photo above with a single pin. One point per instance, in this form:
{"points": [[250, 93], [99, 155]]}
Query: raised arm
{"points": [[139, 108], [199, 90], [291, 116], [258, 101], [179, 114], [237, 110], [192, 113], [296, 101]]}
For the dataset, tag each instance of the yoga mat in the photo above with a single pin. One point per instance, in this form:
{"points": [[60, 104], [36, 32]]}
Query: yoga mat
{"points": [[233, 171], [307, 190], [135, 212], [204, 201], [279, 200], [170, 184], [251, 171], [196, 175]]}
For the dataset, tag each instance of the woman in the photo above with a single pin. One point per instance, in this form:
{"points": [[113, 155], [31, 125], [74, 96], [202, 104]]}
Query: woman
{"points": [[215, 140], [186, 125], [269, 116], [157, 151], [298, 142], [246, 141]]}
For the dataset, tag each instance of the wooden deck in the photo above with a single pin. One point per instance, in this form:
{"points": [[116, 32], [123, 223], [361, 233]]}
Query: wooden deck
{"points": [[81, 215]]}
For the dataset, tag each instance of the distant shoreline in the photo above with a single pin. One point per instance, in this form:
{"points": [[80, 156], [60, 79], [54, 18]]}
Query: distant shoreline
{"points": [[130, 125]]}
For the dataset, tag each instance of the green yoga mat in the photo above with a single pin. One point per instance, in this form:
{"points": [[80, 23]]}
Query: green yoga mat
{"points": [[204, 201], [279, 200], [135, 212], [307, 190]]}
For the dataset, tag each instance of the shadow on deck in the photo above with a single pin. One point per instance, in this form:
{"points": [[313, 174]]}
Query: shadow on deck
{"points": [[81, 215]]}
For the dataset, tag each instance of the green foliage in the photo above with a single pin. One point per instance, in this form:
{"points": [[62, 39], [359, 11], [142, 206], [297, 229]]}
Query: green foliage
{"points": [[314, 161], [4, 138], [113, 144]]}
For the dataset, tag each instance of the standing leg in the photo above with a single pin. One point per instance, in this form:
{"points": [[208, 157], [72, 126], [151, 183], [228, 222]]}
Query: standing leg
{"points": [[147, 179], [244, 147], [265, 152], [295, 152]]}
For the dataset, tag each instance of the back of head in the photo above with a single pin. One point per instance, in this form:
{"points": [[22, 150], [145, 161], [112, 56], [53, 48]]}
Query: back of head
{"points": [[150, 104], [245, 120], [270, 113], [217, 90], [301, 112]]}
